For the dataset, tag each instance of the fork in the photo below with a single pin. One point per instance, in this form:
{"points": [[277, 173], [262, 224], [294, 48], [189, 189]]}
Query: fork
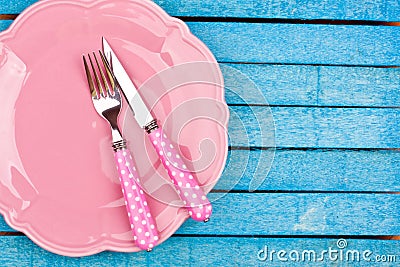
{"points": [[107, 102]]}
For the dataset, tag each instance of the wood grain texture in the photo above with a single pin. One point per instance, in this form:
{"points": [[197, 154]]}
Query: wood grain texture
{"points": [[308, 44], [375, 10], [311, 85], [14, 7], [303, 127], [309, 170], [267, 43], [298, 214], [4, 24], [202, 251], [298, 9], [359, 86]]}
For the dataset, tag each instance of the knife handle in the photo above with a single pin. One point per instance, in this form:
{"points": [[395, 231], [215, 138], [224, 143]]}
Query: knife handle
{"points": [[193, 197], [142, 223]]}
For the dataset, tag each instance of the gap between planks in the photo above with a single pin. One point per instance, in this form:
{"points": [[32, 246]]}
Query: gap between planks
{"points": [[288, 21], [8, 16], [303, 192], [369, 237], [265, 20], [320, 149], [308, 106]]}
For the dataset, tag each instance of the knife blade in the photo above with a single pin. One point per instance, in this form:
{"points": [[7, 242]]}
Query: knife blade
{"points": [[141, 112]]}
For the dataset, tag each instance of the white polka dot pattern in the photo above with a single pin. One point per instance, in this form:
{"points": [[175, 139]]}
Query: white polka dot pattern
{"points": [[190, 192], [142, 223]]}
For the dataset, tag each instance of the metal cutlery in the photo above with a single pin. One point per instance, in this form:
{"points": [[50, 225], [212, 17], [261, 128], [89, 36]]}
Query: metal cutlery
{"points": [[106, 99], [185, 182]]}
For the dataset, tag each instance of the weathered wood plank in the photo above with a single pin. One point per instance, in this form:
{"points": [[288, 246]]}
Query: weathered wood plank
{"points": [[303, 127], [299, 214], [300, 44], [212, 251], [270, 84], [4, 24], [359, 86], [311, 85], [4, 226], [293, 170], [300, 9], [206, 251], [377, 10], [14, 7]]}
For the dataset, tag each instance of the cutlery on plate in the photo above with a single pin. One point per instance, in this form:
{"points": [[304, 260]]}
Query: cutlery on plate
{"points": [[106, 99], [185, 182]]}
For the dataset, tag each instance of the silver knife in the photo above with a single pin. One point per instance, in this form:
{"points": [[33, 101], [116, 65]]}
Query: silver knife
{"points": [[185, 182]]}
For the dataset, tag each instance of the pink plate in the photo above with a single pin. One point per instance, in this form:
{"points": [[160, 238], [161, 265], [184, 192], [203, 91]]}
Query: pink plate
{"points": [[58, 181]]}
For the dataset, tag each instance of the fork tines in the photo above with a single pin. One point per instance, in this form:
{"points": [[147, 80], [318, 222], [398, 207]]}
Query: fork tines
{"points": [[102, 85]]}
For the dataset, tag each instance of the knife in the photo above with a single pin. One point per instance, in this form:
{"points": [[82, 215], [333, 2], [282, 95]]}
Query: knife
{"points": [[185, 182]]}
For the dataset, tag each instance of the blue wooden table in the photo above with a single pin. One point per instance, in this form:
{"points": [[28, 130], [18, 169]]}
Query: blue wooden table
{"points": [[326, 77]]}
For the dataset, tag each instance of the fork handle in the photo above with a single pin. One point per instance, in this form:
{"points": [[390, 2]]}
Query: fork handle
{"points": [[185, 182], [142, 222]]}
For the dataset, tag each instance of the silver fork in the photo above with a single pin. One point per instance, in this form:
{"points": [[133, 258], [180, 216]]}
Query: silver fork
{"points": [[106, 99]]}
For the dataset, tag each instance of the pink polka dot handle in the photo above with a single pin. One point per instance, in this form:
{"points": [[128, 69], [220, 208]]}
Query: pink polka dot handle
{"points": [[142, 223], [185, 182]]}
